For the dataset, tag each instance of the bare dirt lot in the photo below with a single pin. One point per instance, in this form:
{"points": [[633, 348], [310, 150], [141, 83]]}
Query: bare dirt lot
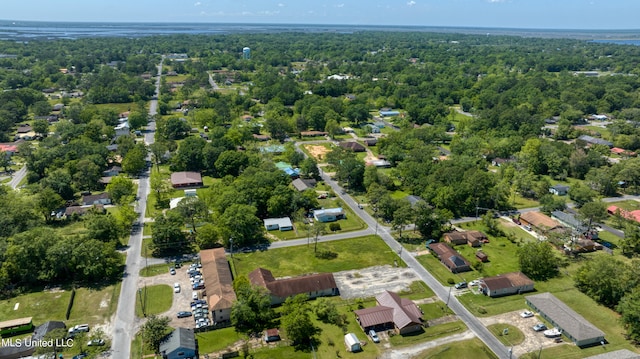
{"points": [[532, 340], [367, 282], [318, 152]]}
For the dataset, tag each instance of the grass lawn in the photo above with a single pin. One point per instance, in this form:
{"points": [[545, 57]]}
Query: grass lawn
{"points": [[353, 253], [628, 205], [418, 290], [429, 333], [460, 349], [513, 337], [217, 340], [119, 107], [397, 194], [434, 310], [138, 349], [521, 202], [91, 306], [157, 299], [155, 269]]}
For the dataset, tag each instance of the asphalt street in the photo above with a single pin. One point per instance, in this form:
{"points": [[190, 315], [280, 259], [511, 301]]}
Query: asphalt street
{"points": [[125, 324]]}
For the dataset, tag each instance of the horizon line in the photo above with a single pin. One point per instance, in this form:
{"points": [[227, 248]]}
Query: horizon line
{"points": [[320, 24]]}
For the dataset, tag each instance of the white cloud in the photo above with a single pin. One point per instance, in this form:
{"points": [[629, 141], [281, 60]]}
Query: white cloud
{"points": [[496, 1], [411, 3], [197, 3], [340, 5], [280, 5]]}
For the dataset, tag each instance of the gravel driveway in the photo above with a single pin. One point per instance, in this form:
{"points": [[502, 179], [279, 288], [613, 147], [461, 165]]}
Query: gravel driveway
{"points": [[367, 282]]}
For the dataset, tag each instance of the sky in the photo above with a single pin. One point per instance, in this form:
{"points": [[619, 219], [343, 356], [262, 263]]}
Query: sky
{"points": [[526, 14]]}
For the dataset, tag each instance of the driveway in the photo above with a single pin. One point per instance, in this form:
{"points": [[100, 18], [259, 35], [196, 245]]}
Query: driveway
{"points": [[533, 341]]}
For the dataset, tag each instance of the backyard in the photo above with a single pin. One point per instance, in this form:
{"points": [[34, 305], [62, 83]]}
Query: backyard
{"points": [[156, 299]]}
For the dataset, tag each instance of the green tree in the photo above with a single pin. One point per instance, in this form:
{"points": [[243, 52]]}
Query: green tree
{"points": [[158, 150], [135, 160], [103, 227], [121, 190], [629, 309], [231, 163], [154, 331], [137, 119], [581, 194], [402, 216], [630, 244], [297, 323], [208, 236], [41, 127], [167, 235], [430, 222], [48, 202], [605, 279], [309, 168], [552, 203], [192, 210], [592, 212], [239, 222], [537, 260], [252, 311], [318, 229]]}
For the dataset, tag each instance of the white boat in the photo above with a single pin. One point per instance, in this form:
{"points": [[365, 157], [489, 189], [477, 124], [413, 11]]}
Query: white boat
{"points": [[552, 333]]}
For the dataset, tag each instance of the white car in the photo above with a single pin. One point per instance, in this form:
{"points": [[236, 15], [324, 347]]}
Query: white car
{"points": [[176, 287], [526, 314], [474, 283], [194, 295]]}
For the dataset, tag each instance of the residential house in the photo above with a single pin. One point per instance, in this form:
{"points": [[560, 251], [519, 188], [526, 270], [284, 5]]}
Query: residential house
{"points": [[578, 226], [595, 141], [506, 284], [353, 146], [616, 354], [303, 184], [186, 179], [498, 162], [179, 344], [282, 224], [573, 325], [450, 258], [329, 214], [112, 171], [622, 152], [413, 200], [275, 149], [218, 282], [559, 190], [259, 137], [371, 128], [314, 285], [391, 313], [82, 210], [102, 198], [370, 141], [288, 169], [388, 113], [539, 221], [58, 107], [24, 128], [122, 129], [379, 163], [472, 238], [630, 215]]}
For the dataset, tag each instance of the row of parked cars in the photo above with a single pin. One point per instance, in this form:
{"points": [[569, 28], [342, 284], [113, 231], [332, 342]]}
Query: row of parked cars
{"points": [[195, 276]]}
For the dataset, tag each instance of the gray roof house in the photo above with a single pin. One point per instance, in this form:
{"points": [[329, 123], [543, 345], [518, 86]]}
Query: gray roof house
{"points": [[303, 184], [283, 224], [102, 198], [329, 214], [559, 190], [572, 324], [180, 344], [595, 141]]}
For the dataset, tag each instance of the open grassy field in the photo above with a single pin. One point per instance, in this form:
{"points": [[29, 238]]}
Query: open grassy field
{"points": [[512, 337], [352, 253], [429, 333], [118, 107], [217, 340], [91, 306], [461, 349], [157, 299], [155, 269]]}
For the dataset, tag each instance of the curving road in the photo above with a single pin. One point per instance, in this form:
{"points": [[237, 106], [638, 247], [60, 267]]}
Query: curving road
{"points": [[125, 324]]}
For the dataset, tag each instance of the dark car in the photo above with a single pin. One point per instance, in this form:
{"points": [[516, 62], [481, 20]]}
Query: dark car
{"points": [[539, 327], [80, 356], [184, 314], [461, 285], [95, 343]]}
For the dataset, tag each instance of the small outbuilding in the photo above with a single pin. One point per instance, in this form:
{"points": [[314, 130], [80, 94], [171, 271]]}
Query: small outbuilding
{"points": [[271, 335], [352, 343]]}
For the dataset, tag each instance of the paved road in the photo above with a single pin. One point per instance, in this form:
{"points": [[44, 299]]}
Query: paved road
{"points": [[124, 328], [213, 84], [17, 177]]}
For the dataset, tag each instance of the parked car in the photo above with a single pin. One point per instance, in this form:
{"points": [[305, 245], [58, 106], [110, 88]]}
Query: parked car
{"points": [[374, 336], [95, 343], [176, 287], [197, 286], [526, 314], [78, 329], [183, 314], [194, 295], [461, 285], [474, 283], [80, 356], [539, 327], [172, 271]]}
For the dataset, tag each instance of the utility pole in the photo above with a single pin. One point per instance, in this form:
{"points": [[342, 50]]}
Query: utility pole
{"points": [[375, 216]]}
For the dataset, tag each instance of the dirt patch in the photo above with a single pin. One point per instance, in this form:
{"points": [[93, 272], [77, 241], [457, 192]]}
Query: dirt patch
{"points": [[367, 282], [318, 152]]}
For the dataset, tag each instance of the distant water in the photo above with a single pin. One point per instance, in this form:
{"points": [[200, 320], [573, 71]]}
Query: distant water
{"points": [[620, 42], [39, 30]]}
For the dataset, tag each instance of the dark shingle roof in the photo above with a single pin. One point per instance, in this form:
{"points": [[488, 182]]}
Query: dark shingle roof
{"points": [[179, 338]]}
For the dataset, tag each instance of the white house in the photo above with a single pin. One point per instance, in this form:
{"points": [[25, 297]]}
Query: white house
{"points": [[329, 214], [283, 224]]}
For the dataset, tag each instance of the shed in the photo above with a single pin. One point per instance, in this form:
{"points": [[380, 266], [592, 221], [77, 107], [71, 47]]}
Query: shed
{"points": [[190, 193], [482, 256], [352, 342], [271, 335]]}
